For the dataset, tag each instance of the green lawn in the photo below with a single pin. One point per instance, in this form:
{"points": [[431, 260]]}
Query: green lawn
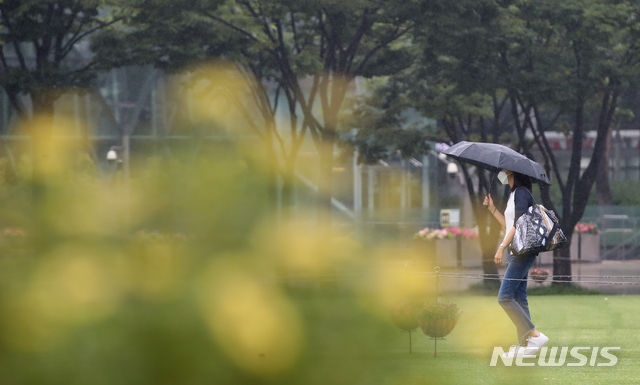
{"points": [[463, 358], [346, 341]]}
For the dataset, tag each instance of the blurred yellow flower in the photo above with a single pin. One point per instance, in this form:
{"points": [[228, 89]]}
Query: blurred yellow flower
{"points": [[252, 322], [69, 286]]}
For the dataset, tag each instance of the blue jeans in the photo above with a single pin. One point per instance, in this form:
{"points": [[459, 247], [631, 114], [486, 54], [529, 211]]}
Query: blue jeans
{"points": [[513, 294]]}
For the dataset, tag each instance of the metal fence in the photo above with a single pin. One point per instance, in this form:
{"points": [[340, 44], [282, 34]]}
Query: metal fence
{"points": [[620, 237]]}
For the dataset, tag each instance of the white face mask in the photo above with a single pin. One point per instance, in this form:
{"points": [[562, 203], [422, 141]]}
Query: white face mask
{"points": [[503, 177]]}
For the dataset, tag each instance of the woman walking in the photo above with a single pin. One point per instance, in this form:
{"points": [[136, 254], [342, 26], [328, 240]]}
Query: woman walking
{"points": [[513, 290]]}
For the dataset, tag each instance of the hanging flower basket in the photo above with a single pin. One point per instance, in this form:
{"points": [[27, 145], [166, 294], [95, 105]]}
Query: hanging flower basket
{"points": [[539, 275], [405, 322], [404, 316], [438, 319], [438, 327]]}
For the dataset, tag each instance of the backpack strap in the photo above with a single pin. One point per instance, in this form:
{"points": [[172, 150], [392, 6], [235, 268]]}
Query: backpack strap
{"points": [[530, 194]]}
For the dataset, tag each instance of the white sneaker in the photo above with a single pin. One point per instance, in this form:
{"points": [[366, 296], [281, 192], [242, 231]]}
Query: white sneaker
{"points": [[516, 351], [534, 344]]}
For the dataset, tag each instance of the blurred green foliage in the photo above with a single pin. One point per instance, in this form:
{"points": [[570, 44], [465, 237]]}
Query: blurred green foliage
{"points": [[184, 275]]}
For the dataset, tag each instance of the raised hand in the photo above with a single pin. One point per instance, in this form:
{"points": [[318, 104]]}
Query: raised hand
{"points": [[488, 201]]}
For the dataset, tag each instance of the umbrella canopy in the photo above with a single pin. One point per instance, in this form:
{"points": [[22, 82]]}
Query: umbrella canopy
{"points": [[496, 157]]}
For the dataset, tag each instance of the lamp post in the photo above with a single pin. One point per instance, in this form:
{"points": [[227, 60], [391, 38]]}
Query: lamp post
{"points": [[452, 172], [112, 156], [452, 168]]}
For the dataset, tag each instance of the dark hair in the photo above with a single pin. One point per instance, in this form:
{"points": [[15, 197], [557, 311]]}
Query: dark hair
{"points": [[520, 180]]}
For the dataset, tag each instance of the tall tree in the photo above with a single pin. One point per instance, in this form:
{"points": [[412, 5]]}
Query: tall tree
{"points": [[562, 67], [326, 44], [453, 80], [39, 53], [382, 132], [566, 65], [176, 38], [542, 66], [41, 57]]}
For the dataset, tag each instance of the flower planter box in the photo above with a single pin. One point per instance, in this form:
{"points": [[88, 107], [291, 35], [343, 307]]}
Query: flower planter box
{"points": [[449, 247], [424, 252], [438, 327], [471, 253], [440, 252], [447, 252], [590, 247], [444, 252]]}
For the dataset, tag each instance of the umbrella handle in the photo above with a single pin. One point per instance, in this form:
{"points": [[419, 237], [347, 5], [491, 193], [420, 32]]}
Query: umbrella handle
{"points": [[493, 176]]}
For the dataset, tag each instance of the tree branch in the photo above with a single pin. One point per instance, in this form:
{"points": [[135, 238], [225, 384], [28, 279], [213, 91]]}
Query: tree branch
{"points": [[281, 142], [332, 44], [3, 60], [83, 69], [60, 47], [69, 46], [16, 44], [46, 39], [323, 87], [13, 93], [295, 33], [369, 55], [245, 112], [315, 136], [545, 144], [261, 18], [234, 27], [347, 56], [276, 99], [297, 144]]}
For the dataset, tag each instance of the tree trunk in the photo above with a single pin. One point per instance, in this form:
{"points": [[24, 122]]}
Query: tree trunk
{"points": [[272, 170], [488, 240], [562, 262], [13, 94], [562, 265], [325, 176], [603, 188], [287, 190], [488, 245], [40, 131], [325, 185], [488, 264]]}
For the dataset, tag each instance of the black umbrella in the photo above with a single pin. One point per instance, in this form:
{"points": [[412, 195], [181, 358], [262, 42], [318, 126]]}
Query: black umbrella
{"points": [[496, 157]]}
